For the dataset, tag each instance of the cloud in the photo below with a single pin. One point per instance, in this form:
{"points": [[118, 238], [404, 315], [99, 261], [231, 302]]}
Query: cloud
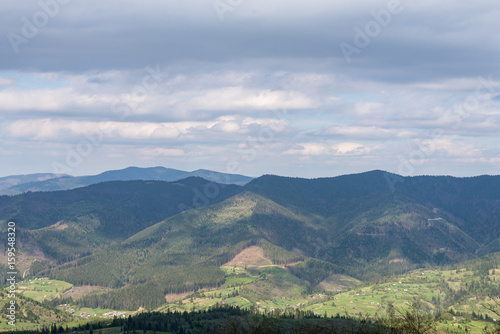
{"points": [[457, 148], [426, 40], [161, 152], [232, 98], [366, 132], [5, 82], [63, 129], [48, 129], [62, 99], [123, 96], [322, 149]]}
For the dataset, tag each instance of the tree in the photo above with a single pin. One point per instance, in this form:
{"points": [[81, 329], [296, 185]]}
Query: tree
{"points": [[493, 307], [412, 320]]}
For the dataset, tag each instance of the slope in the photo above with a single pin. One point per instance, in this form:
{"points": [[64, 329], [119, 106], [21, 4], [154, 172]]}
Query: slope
{"points": [[370, 227], [64, 225], [182, 253]]}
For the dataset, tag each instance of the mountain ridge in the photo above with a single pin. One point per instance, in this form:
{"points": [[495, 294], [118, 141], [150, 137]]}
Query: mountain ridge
{"points": [[53, 182]]}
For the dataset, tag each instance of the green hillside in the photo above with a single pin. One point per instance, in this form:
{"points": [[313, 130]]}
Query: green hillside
{"points": [[370, 219], [55, 227], [180, 254], [29, 314]]}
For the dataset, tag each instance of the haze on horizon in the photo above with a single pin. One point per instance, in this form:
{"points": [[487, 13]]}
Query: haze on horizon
{"points": [[250, 87]]}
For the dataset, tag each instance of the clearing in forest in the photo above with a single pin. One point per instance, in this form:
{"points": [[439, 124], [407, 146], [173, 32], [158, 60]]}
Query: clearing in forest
{"points": [[251, 257]]}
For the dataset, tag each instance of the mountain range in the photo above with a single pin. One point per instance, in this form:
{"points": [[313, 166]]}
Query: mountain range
{"points": [[17, 184], [146, 239]]}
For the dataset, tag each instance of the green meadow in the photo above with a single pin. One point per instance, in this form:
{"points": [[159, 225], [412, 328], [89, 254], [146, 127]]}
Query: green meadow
{"points": [[457, 295]]}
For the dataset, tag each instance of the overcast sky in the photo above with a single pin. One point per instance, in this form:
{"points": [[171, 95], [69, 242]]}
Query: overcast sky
{"points": [[296, 88]]}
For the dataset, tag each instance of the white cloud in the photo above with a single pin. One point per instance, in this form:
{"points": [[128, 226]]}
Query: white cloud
{"points": [[155, 152], [351, 148], [367, 132], [116, 95], [48, 129], [239, 98], [64, 129], [5, 82], [322, 149], [59, 99], [454, 148]]}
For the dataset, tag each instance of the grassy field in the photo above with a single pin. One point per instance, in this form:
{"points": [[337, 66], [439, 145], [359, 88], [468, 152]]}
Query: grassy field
{"points": [[427, 287], [43, 288], [31, 313], [271, 288]]}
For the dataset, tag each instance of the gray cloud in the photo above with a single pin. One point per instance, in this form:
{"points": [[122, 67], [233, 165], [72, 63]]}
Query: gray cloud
{"points": [[420, 42]]}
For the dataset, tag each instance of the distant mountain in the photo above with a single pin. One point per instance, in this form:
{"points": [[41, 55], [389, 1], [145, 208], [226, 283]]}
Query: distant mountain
{"points": [[13, 185], [15, 180]]}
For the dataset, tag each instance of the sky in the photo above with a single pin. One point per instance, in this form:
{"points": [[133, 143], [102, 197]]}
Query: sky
{"points": [[295, 88]]}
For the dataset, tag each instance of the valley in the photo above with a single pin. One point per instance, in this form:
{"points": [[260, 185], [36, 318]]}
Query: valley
{"points": [[455, 295]]}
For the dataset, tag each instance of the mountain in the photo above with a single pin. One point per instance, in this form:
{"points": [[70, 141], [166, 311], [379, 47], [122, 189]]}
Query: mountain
{"points": [[181, 253], [63, 225], [16, 180], [145, 239], [13, 185], [367, 222]]}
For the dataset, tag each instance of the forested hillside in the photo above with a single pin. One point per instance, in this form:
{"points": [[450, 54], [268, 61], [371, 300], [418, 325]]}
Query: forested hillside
{"points": [[64, 225]]}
